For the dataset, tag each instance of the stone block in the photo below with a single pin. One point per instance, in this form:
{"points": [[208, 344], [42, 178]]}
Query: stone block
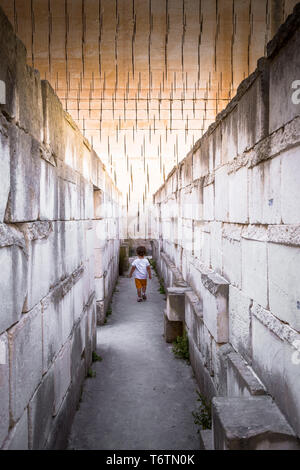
{"points": [[219, 353], [176, 303], [25, 168], [48, 192], [202, 375], [216, 248], [241, 379], [209, 202], [172, 329], [23, 88], [72, 246], [55, 125], [43, 240], [67, 315], [232, 261], [13, 277], [221, 194], [275, 352], [4, 388], [52, 330], [5, 175], [12, 52], [40, 412], [78, 298], [252, 114], [254, 270], [264, 192], [229, 136], [290, 188], [238, 196], [250, 423], [240, 322], [284, 70], [215, 306], [62, 376], [283, 280], [101, 261], [25, 343], [18, 436], [204, 344]]}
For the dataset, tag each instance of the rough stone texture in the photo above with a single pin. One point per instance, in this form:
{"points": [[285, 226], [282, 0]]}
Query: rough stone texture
{"points": [[18, 435], [4, 388], [241, 380], [25, 343], [5, 174], [62, 376], [284, 290], [282, 109], [14, 272], [254, 271], [49, 176], [275, 349], [240, 322], [247, 231], [253, 423], [25, 167], [290, 192], [40, 412]]}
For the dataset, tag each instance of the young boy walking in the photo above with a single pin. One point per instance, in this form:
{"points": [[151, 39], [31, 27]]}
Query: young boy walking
{"points": [[140, 268]]}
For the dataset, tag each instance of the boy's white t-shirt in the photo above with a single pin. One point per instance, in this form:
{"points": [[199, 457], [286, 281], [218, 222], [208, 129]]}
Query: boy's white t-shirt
{"points": [[140, 265]]}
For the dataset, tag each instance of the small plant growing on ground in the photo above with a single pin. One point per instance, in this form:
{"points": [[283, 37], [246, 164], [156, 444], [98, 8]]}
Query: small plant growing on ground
{"points": [[202, 417], [181, 347], [91, 373], [109, 312], [96, 358], [161, 286]]}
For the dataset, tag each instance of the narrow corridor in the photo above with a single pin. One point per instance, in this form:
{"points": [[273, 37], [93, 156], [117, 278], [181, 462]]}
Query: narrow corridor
{"points": [[142, 396]]}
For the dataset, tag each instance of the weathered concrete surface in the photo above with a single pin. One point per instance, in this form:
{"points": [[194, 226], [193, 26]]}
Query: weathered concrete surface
{"points": [[253, 423], [142, 396]]}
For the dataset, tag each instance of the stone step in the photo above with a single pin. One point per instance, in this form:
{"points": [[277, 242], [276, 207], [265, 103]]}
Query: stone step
{"points": [[206, 440], [250, 423]]}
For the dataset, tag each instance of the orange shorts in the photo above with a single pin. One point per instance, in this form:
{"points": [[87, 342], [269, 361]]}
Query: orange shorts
{"points": [[140, 283]]}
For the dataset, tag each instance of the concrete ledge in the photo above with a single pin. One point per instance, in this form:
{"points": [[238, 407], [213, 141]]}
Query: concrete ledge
{"points": [[176, 303], [241, 379], [193, 300], [253, 423]]}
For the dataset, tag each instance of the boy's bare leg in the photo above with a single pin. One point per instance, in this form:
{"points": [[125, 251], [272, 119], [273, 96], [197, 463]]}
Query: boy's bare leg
{"points": [[144, 292], [139, 293]]}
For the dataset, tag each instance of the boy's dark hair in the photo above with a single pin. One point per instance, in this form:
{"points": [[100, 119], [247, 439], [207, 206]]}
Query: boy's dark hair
{"points": [[141, 250]]}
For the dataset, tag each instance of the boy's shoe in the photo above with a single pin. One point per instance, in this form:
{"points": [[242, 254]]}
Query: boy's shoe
{"points": [[139, 299], [144, 297]]}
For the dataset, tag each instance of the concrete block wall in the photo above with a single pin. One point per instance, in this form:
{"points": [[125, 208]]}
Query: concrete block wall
{"points": [[54, 191], [228, 218]]}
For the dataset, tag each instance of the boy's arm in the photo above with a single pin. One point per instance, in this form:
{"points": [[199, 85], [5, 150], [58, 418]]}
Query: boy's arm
{"points": [[149, 272], [132, 271]]}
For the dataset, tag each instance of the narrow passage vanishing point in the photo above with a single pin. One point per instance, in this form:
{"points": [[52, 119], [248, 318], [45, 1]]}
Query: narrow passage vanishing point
{"points": [[142, 396]]}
